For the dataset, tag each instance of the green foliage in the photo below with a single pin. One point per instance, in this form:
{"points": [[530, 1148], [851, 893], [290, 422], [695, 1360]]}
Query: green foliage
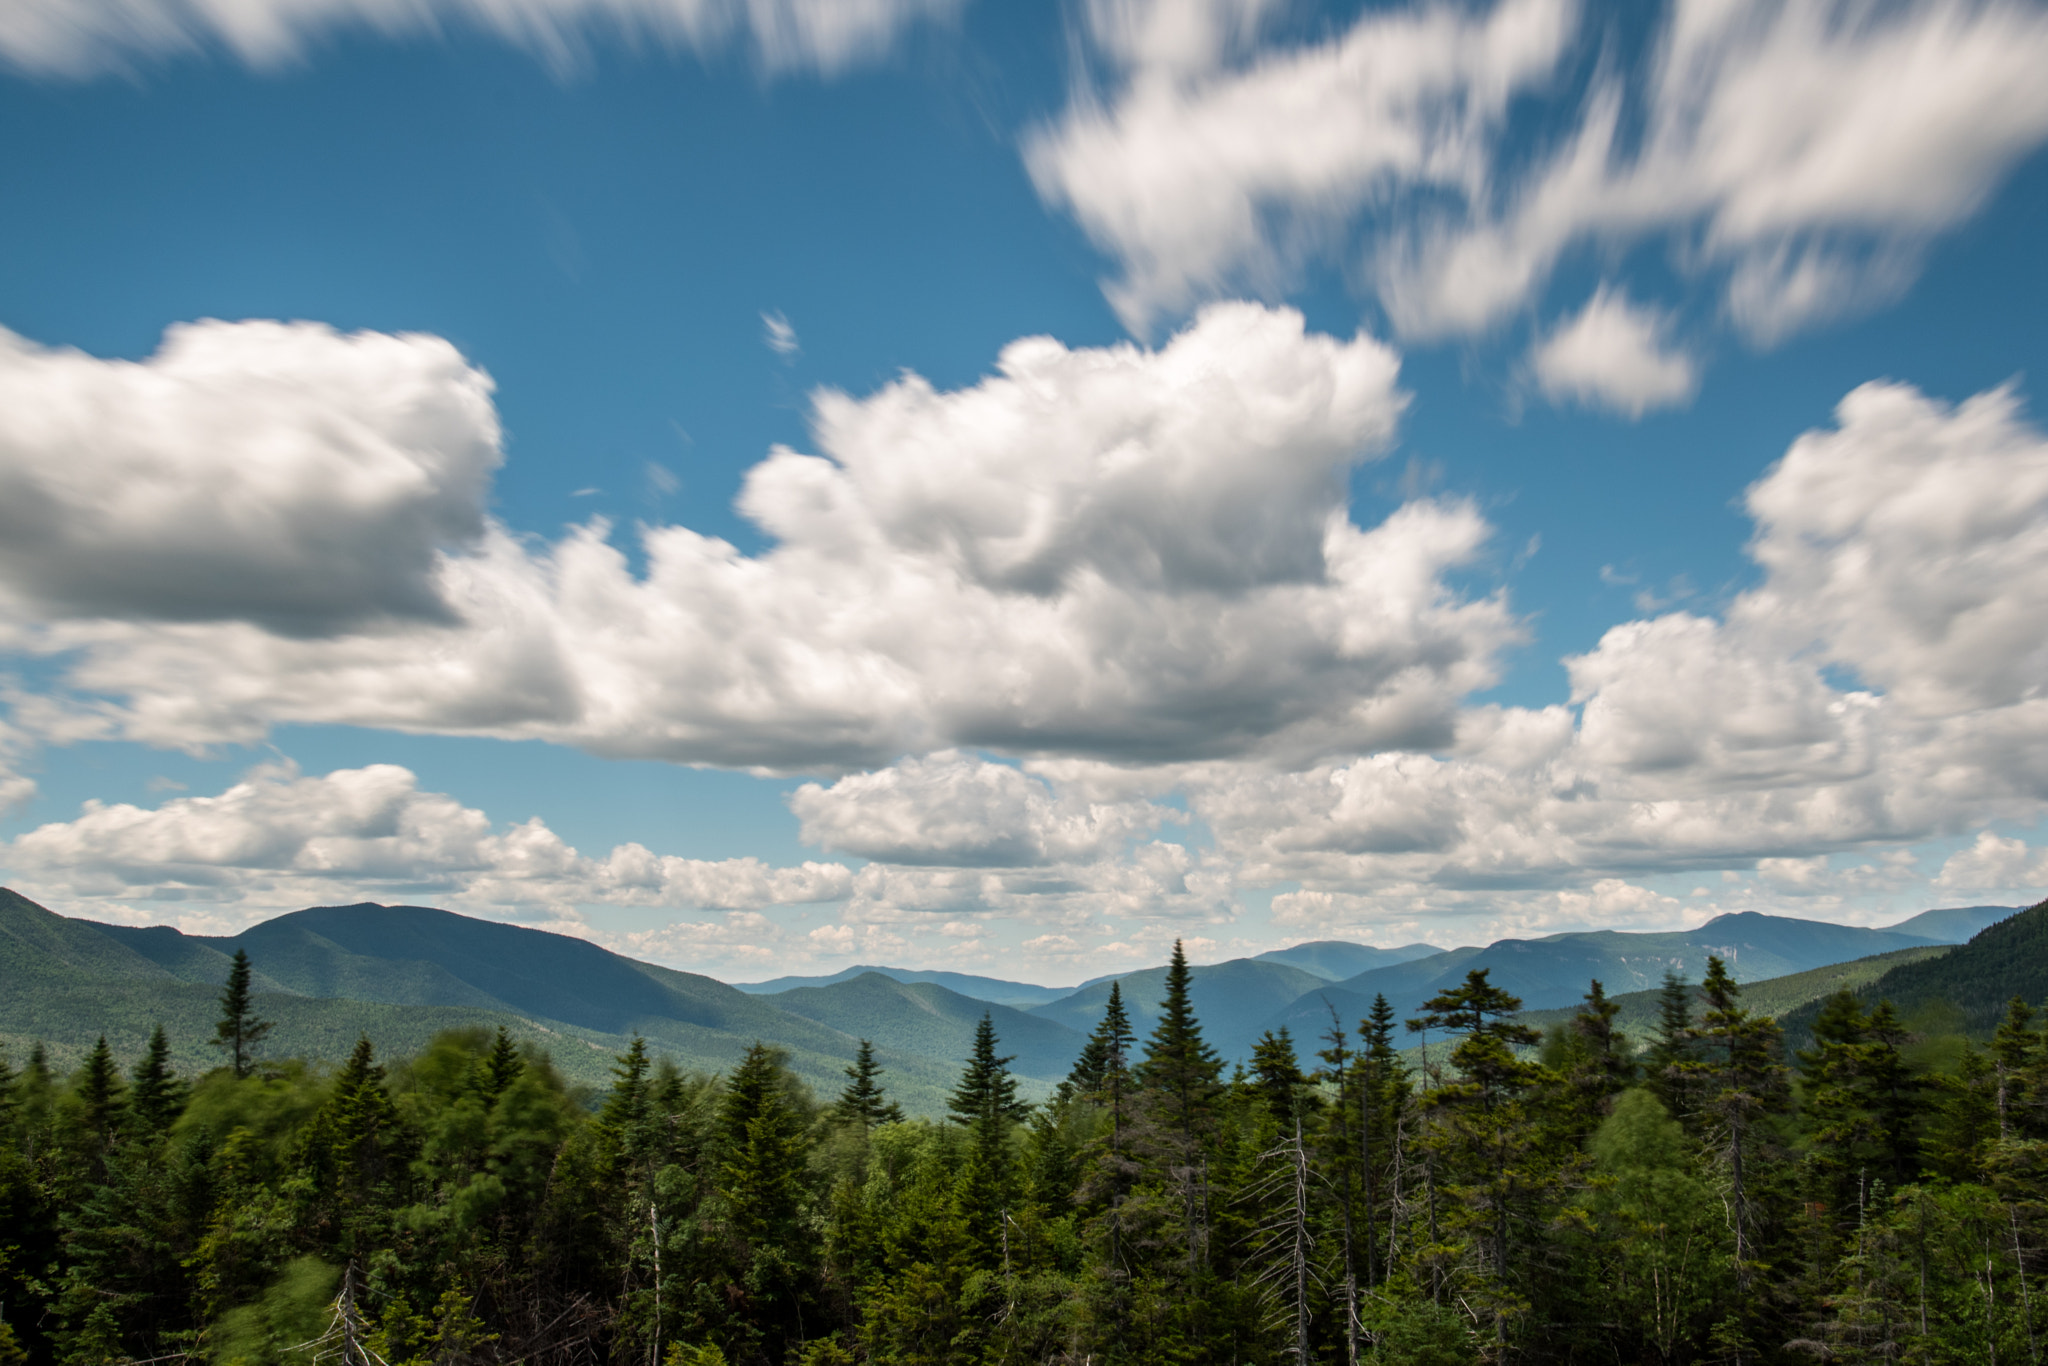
{"points": [[463, 1203], [293, 1309]]}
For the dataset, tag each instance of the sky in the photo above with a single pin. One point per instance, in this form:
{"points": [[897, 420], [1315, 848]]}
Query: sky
{"points": [[770, 486]]}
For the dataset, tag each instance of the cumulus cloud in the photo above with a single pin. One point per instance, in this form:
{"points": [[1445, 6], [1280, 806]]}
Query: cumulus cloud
{"points": [[1898, 545], [1614, 354], [949, 809], [1995, 862], [87, 37], [1907, 538], [279, 839], [1806, 150], [280, 473], [1140, 554]]}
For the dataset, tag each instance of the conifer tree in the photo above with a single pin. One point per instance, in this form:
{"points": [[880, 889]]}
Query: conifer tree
{"points": [[157, 1095], [100, 1091], [863, 1101], [359, 1148], [1278, 1077], [503, 1066], [1111, 1034], [1664, 1068], [1382, 1096], [1180, 1081], [1739, 1084], [1610, 1067], [239, 1031], [986, 1090]]}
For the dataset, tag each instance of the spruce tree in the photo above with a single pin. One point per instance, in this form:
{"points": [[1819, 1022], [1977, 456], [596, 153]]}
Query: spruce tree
{"points": [[1609, 1068], [863, 1101], [157, 1095], [1107, 1050], [986, 1090], [1180, 1087], [1278, 1078], [100, 1091], [239, 1031], [1180, 1067], [1737, 1082], [502, 1066], [1664, 1068]]}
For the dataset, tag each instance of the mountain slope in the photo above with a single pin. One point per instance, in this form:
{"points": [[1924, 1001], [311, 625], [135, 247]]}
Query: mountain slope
{"points": [[1777, 997], [408, 972], [1955, 925], [1231, 999], [991, 989], [926, 1019], [1554, 971], [1336, 959], [1978, 979]]}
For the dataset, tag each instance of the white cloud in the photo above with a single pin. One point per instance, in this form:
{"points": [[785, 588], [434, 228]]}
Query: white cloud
{"points": [[1900, 544], [1614, 354], [85, 37], [282, 473], [1908, 540], [948, 809], [278, 840], [1197, 175], [1808, 150], [1142, 554], [1995, 862], [778, 335]]}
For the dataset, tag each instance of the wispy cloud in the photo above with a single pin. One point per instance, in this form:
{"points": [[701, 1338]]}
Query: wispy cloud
{"points": [[779, 335]]}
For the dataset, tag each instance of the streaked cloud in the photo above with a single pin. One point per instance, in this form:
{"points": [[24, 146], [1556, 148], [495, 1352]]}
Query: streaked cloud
{"points": [[1797, 157], [89, 37]]}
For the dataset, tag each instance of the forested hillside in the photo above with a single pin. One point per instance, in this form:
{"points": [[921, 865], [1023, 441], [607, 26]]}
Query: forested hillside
{"points": [[1705, 1198]]}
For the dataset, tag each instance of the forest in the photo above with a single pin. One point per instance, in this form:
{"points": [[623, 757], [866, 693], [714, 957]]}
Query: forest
{"points": [[1493, 1194]]}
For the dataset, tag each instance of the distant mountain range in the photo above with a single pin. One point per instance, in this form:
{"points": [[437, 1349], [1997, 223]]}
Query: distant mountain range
{"points": [[1554, 971], [1019, 994], [402, 973]]}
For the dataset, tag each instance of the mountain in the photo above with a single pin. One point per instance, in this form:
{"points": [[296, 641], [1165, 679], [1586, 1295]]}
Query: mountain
{"points": [[1336, 959], [400, 974], [1231, 999], [1554, 971], [1976, 980], [991, 989], [1776, 997], [1954, 926], [926, 1019]]}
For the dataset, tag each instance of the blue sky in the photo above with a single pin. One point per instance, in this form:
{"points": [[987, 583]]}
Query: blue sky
{"points": [[1391, 542]]}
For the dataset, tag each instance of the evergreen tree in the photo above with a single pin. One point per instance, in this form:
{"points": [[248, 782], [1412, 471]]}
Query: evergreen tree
{"points": [[503, 1066], [239, 1031], [1112, 1035], [101, 1093], [362, 1148], [1738, 1083], [1486, 1139], [1609, 1066], [1670, 1049], [1383, 1093], [763, 1178], [986, 1090], [2012, 1059], [156, 1095], [863, 1102], [1180, 1087], [1278, 1078]]}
